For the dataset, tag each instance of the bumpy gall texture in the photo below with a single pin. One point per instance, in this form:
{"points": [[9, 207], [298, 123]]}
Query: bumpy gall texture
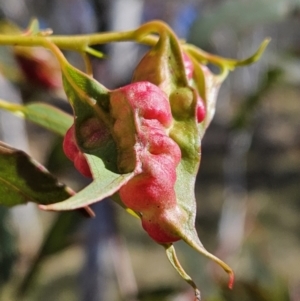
{"points": [[73, 152], [189, 70], [151, 192], [142, 116], [94, 133], [201, 110]]}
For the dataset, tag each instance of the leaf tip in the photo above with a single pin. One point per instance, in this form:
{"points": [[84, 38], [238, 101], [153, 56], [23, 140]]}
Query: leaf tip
{"points": [[197, 295], [231, 280], [256, 56]]}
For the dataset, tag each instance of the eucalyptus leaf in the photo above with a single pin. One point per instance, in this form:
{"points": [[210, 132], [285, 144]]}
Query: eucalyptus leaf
{"points": [[105, 184], [171, 254], [44, 115], [163, 66], [48, 117], [89, 99], [33, 27], [22, 180]]}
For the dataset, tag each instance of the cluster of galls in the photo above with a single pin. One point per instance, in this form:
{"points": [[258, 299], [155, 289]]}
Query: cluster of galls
{"points": [[150, 192]]}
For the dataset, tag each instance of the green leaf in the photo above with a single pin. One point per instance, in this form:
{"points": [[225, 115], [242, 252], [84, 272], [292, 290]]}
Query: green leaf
{"points": [[89, 99], [163, 66], [33, 27], [207, 83], [47, 116], [171, 254], [185, 133], [23, 179], [105, 184]]}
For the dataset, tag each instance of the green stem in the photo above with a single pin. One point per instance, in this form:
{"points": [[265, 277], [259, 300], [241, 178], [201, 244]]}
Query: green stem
{"points": [[152, 27], [143, 35], [225, 64], [11, 107], [76, 42], [88, 64]]}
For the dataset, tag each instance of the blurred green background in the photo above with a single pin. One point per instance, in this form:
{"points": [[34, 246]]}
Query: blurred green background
{"points": [[248, 191]]}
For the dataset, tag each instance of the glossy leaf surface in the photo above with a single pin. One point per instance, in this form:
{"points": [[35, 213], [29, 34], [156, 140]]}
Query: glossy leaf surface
{"points": [[23, 180]]}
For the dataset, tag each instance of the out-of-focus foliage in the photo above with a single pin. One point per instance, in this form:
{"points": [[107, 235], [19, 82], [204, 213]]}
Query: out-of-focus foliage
{"points": [[240, 16], [254, 149], [7, 247]]}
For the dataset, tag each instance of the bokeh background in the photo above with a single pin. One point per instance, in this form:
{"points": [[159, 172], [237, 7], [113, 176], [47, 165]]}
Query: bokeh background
{"points": [[248, 190]]}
